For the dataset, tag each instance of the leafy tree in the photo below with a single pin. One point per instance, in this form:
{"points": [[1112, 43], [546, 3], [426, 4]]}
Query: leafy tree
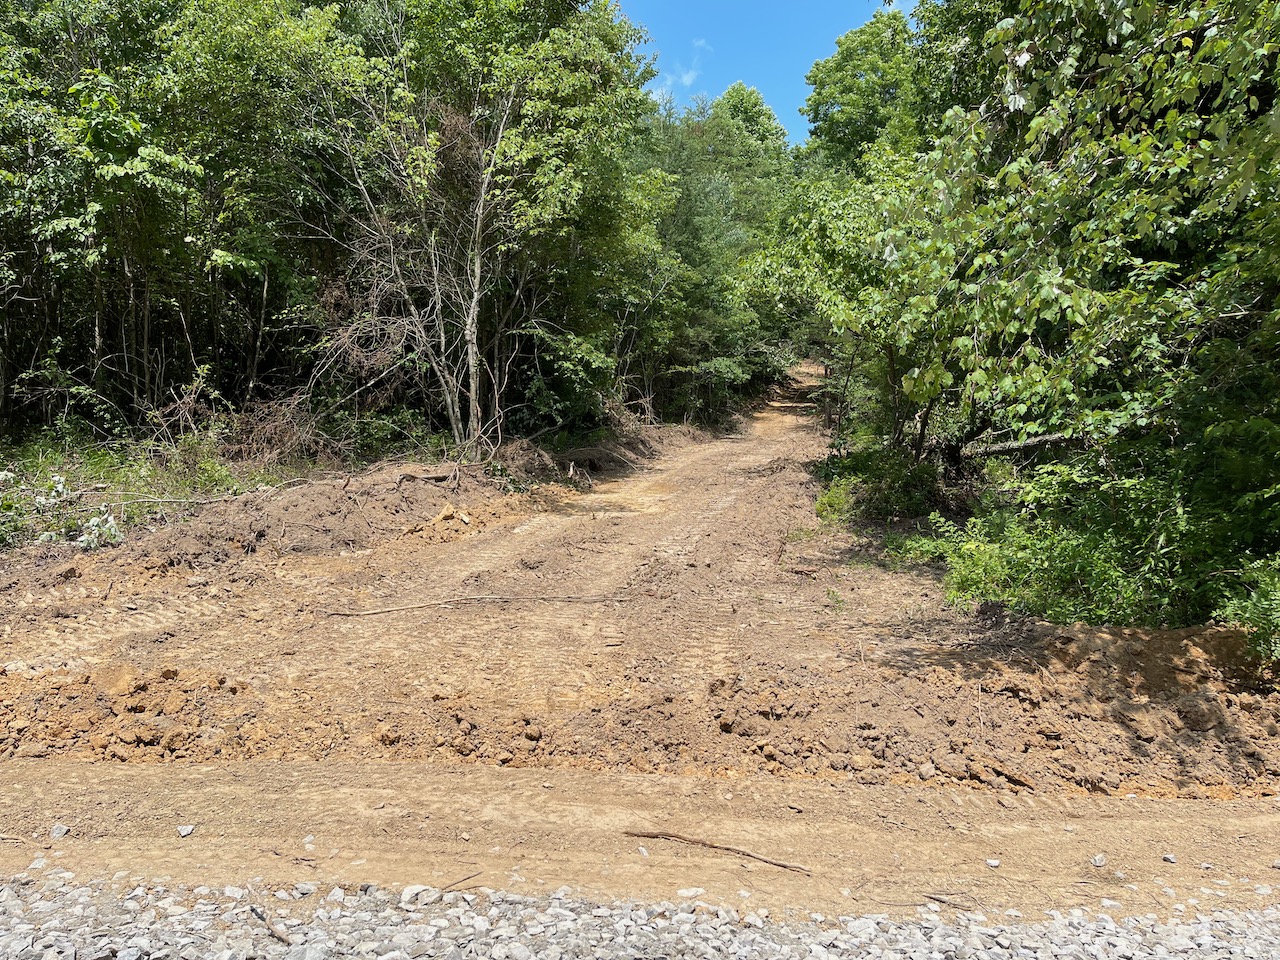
{"points": [[1082, 274], [865, 91]]}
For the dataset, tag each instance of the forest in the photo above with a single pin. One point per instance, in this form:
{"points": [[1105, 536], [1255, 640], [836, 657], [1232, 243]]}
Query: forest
{"points": [[1035, 242]]}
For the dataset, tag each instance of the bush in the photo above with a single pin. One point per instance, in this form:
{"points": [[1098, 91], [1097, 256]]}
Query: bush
{"points": [[870, 482], [1257, 606], [1069, 543], [1044, 569], [55, 487]]}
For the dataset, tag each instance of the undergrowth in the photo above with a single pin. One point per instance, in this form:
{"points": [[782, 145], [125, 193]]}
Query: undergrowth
{"points": [[1131, 544], [64, 485], [1069, 546], [867, 482]]}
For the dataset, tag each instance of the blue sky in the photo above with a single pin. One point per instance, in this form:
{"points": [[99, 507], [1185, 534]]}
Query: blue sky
{"points": [[703, 46]]}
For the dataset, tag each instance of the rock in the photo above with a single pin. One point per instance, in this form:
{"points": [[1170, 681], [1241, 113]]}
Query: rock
{"points": [[689, 893], [993, 863], [409, 895], [235, 893], [58, 831], [1170, 858], [186, 830], [950, 764], [304, 889], [926, 770], [1099, 860]]}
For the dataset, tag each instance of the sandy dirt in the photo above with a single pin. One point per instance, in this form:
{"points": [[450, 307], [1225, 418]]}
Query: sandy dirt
{"points": [[433, 678]]}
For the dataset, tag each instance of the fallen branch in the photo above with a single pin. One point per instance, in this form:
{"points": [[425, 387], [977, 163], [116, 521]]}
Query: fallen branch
{"points": [[479, 599], [974, 451], [457, 883], [678, 838], [272, 929], [948, 901], [441, 475], [184, 501]]}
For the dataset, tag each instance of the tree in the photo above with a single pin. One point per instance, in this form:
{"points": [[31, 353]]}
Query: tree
{"points": [[1084, 271], [481, 141], [864, 92]]}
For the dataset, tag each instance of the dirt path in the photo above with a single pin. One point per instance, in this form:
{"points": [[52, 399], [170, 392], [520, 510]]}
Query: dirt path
{"points": [[679, 650]]}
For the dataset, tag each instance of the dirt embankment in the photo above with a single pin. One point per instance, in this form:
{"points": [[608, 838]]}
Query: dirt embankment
{"points": [[687, 619]]}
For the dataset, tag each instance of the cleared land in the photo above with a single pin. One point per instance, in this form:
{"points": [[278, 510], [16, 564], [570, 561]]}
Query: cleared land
{"points": [[433, 679]]}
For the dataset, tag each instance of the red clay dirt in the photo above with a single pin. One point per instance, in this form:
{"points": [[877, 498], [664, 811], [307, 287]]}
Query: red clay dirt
{"points": [[686, 631]]}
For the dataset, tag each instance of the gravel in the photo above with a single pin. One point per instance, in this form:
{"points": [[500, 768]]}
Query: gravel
{"points": [[48, 914]]}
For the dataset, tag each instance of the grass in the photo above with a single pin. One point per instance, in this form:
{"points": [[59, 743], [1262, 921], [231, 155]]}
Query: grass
{"points": [[66, 488]]}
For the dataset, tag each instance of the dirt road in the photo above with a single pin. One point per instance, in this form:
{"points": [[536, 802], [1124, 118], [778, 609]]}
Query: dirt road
{"points": [[392, 680]]}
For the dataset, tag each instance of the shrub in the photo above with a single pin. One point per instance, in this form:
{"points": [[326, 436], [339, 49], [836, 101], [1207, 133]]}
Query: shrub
{"points": [[870, 482], [1067, 542]]}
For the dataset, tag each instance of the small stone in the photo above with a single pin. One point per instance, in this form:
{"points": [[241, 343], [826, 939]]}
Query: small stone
{"points": [[1100, 860], [59, 831], [1206, 866], [926, 771], [993, 864], [1276, 865], [186, 830], [690, 892], [337, 895], [1170, 858], [1110, 904], [304, 889], [235, 893], [409, 896]]}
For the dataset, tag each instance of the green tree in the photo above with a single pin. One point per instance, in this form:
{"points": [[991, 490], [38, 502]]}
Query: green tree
{"points": [[865, 92], [1085, 274]]}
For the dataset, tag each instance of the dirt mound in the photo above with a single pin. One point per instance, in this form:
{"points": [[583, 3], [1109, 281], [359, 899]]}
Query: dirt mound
{"points": [[687, 618], [325, 516], [1050, 714]]}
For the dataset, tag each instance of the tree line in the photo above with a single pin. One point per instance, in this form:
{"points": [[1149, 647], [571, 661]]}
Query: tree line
{"points": [[466, 208], [1046, 232], [1035, 240]]}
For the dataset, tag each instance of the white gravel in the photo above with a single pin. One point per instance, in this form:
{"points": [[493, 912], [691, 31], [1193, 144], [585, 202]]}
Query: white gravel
{"points": [[48, 914]]}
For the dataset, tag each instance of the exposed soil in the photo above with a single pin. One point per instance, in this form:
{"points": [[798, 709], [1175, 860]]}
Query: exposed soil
{"points": [[684, 629]]}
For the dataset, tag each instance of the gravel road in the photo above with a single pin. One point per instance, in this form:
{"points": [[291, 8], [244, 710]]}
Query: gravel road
{"points": [[47, 913]]}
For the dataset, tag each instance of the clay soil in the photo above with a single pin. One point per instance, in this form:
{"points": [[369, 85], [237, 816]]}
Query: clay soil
{"points": [[400, 677]]}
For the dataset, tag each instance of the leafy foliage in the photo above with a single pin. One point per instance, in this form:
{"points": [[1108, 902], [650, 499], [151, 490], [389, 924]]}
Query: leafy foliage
{"points": [[1080, 274], [451, 206]]}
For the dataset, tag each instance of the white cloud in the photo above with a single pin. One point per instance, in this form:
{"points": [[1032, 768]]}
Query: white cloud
{"points": [[690, 76], [701, 44]]}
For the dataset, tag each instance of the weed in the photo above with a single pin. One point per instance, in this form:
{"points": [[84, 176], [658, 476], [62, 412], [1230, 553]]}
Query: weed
{"points": [[870, 482], [55, 490]]}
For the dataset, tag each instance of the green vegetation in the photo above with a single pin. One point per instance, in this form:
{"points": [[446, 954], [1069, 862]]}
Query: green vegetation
{"points": [[469, 210], [61, 486], [1038, 241], [364, 228], [1046, 231]]}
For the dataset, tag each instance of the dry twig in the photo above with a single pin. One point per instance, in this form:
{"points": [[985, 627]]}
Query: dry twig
{"points": [[678, 838], [272, 929], [477, 599]]}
